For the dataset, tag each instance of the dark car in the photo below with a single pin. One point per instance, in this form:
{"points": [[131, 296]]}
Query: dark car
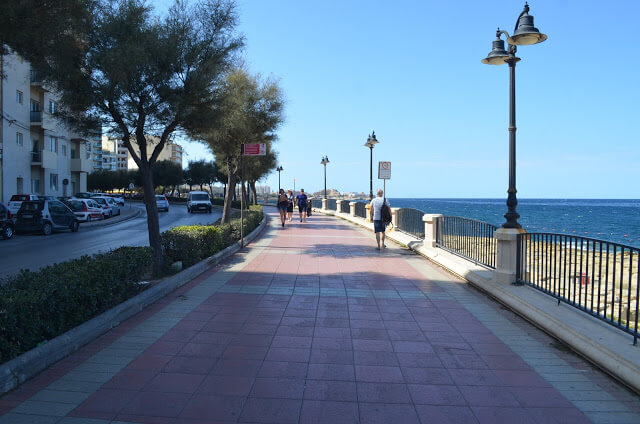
{"points": [[45, 216], [6, 223]]}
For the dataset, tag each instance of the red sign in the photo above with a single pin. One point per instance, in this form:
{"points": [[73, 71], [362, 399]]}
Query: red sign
{"points": [[259, 149]]}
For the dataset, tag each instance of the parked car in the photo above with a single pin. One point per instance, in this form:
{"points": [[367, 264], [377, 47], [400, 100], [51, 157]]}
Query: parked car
{"points": [[109, 206], [6, 223], [119, 198], [82, 195], [162, 203], [198, 201], [45, 216], [86, 210], [17, 199]]}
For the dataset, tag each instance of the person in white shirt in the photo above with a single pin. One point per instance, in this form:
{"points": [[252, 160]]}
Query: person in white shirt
{"points": [[376, 216]]}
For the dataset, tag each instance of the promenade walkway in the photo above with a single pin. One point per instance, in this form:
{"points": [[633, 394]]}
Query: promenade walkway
{"points": [[311, 324]]}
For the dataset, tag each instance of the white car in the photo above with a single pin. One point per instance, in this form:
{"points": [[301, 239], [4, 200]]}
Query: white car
{"points": [[85, 210], [17, 199], [162, 203], [118, 198], [109, 206], [198, 201]]}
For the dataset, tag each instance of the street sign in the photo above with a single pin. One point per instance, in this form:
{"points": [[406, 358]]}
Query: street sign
{"points": [[384, 170], [131, 186], [259, 149]]}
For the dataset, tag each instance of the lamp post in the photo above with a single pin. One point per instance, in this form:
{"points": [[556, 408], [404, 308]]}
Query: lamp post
{"points": [[524, 34], [325, 161], [279, 169], [371, 141]]}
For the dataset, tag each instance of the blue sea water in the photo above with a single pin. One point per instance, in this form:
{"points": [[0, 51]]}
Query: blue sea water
{"points": [[606, 219]]}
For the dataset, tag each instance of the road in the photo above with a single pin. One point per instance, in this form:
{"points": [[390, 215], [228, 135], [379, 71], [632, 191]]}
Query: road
{"points": [[33, 251]]}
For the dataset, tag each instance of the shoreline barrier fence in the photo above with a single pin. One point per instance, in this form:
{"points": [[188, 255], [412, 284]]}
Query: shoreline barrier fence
{"points": [[598, 277], [469, 238], [331, 204], [361, 210], [316, 203], [409, 221], [344, 207]]}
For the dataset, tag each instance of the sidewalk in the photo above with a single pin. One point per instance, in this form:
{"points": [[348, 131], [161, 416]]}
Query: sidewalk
{"points": [[311, 324]]}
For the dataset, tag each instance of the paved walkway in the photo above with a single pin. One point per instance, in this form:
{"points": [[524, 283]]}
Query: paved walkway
{"points": [[311, 324]]}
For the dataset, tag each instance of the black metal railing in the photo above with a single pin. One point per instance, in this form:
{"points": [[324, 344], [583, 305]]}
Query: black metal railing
{"points": [[34, 77], [598, 277], [344, 207], [36, 157], [331, 204], [316, 203], [468, 238], [361, 210], [409, 221]]}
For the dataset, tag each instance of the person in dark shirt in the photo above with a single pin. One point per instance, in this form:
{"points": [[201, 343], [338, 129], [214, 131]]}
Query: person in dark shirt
{"points": [[301, 200]]}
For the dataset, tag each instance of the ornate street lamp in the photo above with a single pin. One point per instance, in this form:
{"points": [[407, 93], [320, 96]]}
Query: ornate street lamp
{"points": [[524, 34], [279, 169], [325, 161], [371, 141]]}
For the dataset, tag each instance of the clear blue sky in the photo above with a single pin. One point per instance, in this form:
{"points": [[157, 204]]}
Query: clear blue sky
{"points": [[411, 71]]}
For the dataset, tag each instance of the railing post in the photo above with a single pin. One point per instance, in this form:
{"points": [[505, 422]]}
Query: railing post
{"points": [[324, 204], [339, 205], [352, 208], [368, 207], [394, 219], [430, 221], [507, 257]]}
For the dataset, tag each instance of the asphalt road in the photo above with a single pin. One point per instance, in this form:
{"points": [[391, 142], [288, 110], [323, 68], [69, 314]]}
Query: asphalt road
{"points": [[33, 251]]}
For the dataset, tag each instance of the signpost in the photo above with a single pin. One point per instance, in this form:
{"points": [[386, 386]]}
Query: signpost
{"points": [[384, 174], [257, 149]]}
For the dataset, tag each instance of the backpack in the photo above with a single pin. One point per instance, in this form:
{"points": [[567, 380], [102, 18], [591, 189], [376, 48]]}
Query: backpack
{"points": [[385, 212]]}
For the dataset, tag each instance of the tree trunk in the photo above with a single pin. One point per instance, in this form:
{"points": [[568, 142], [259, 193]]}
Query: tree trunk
{"points": [[228, 198], [153, 223], [252, 184], [224, 191]]}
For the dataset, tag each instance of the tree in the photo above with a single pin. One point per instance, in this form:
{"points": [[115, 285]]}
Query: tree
{"points": [[167, 174], [143, 75], [256, 167], [248, 111], [200, 172]]}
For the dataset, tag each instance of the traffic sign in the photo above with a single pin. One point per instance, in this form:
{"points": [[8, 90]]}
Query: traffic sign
{"points": [[259, 149], [384, 170]]}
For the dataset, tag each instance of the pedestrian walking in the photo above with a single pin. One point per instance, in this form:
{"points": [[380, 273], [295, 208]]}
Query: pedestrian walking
{"points": [[301, 200], [290, 207], [375, 212], [283, 204]]}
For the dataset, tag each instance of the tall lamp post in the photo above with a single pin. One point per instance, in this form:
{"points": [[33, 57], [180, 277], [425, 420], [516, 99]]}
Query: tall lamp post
{"points": [[524, 34], [371, 141], [325, 161], [279, 169]]}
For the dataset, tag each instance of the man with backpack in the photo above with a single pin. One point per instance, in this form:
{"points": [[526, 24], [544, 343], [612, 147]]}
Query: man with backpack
{"points": [[301, 200], [380, 212]]}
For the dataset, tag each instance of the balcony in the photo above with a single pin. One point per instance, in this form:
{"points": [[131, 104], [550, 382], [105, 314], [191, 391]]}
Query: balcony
{"points": [[80, 165], [36, 80], [44, 159], [35, 117]]}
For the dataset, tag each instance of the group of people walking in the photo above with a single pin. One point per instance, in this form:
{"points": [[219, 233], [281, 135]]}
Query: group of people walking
{"points": [[286, 203]]}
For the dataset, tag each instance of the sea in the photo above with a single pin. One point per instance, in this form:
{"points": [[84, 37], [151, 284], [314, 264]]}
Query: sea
{"points": [[616, 220]]}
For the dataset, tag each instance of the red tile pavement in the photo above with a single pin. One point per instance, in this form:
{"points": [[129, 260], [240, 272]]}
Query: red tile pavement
{"points": [[384, 353]]}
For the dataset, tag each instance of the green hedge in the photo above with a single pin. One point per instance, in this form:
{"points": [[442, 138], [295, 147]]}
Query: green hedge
{"points": [[192, 243], [38, 306]]}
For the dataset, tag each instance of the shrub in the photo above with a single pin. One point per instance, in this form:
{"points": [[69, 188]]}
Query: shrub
{"points": [[190, 244], [38, 306]]}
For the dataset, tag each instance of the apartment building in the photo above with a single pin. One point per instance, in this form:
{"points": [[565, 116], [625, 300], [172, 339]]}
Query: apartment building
{"points": [[171, 151], [38, 154]]}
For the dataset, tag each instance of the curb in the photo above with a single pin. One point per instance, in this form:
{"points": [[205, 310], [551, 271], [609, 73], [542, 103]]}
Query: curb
{"points": [[110, 221], [27, 365]]}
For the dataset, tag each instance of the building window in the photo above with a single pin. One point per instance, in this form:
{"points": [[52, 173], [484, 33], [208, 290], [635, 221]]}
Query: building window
{"points": [[52, 107], [53, 182], [35, 186], [19, 96], [19, 139], [64, 150], [53, 144], [73, 153], [35, 106]]}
